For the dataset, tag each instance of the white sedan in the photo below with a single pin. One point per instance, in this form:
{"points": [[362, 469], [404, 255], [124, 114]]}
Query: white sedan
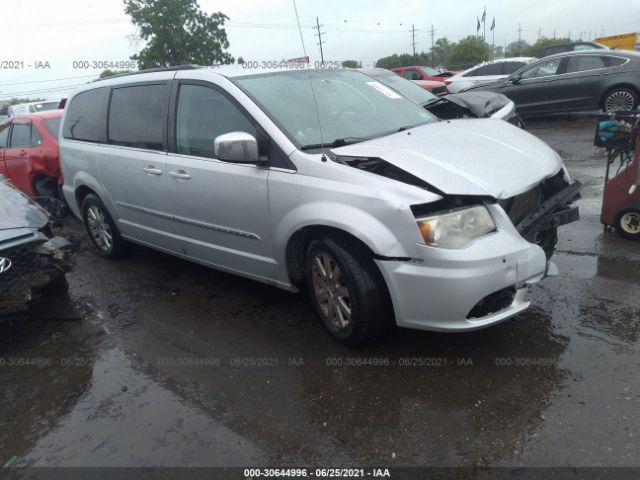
{"points": [[486, 72]]}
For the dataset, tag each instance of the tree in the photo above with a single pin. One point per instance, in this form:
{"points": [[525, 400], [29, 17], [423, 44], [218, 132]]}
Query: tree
{"points": [[240, 61], [544, 42], [438, 54], [517, 48], [468, 52], [351, 64], [392, 61], [177, 32], [110, 73]]}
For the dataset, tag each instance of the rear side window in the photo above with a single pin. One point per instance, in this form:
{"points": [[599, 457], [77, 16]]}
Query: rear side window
{"points": [[136, 116], [583, 63], [53, 126], [86, 116], [492, 69], [412, 75], [613, 61], [510, 67], [20, 135], [4, 135]]}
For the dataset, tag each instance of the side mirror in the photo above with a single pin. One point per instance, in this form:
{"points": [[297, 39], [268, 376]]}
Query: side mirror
{"points": [[515, 79], [239, 147]]}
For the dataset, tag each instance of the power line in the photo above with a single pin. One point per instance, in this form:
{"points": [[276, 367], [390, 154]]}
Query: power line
{"points": [[31, 92], [51, 80]]}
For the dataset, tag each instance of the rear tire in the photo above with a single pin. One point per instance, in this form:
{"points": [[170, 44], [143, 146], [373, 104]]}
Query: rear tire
{"points": [[101, 228], [347, 290], [620, 99], [627, 223]]}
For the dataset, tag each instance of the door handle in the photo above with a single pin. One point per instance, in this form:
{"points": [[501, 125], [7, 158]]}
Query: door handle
{"points": [[22, 153], [151, 170], [180, 174]]}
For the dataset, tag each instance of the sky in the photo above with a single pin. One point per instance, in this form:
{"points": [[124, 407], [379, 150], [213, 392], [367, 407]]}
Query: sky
{"points": [[47, 37]]}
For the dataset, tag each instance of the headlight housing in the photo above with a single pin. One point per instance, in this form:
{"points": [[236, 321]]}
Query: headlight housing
{"points": [[456, 229]]}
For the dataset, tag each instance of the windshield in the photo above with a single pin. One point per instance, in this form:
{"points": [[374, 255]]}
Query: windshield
{"points": [[350, 105], [407, 88], [430, 72]]}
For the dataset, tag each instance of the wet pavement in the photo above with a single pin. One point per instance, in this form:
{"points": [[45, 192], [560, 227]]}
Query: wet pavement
{"points": [[173, 364]]}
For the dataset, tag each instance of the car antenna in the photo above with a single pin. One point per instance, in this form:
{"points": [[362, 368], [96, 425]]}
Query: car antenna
{"points": [[313, 92]]}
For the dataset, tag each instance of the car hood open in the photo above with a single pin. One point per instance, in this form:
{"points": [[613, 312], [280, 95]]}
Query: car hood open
{"points": [[17, 211], [485, 157]]}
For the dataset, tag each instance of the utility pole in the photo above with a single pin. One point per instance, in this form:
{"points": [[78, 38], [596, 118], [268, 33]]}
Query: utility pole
{"points": [[554, 33], [433, 51], [320, 41], [413, 39], [539, 32], [519, 39]]}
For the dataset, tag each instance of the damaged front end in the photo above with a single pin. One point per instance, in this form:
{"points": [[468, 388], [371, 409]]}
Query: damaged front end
{"points": [[32, 269], [539, 212], [33, 262]]}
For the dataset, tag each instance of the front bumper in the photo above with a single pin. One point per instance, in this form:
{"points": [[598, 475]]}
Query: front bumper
{"points": [[442, 289], [34, 265]]}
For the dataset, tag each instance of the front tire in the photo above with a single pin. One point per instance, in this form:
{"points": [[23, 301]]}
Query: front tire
{"points": [[620, 99], [101, 228], [627, 223], [348, 291]]}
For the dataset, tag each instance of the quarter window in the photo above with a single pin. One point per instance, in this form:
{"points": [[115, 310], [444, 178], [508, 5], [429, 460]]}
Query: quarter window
{"points": [[86, 116], [204, 114], [543, 69], [20, 135], [136, 116]]}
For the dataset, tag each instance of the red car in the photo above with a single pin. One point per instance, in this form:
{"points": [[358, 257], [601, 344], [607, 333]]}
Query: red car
{"points": [[422, 73], [437, 88], [29, 154]]}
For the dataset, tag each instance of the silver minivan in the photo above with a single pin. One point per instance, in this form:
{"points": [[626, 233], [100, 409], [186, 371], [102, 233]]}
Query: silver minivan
{"points": [[324, 180]]}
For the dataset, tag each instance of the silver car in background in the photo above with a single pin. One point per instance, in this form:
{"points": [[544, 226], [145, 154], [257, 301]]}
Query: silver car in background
{"points": [[486, 72], [324, 180]]}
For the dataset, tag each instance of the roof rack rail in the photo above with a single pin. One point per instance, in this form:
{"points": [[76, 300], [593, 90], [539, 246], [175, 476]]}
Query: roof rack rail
{"points": [[151, 70]]}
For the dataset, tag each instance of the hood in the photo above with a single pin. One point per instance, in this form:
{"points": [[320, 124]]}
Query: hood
{"points": [[483, 157], [17, 211], [481, 104]]}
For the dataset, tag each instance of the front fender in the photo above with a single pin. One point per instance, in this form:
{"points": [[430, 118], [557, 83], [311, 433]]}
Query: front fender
{"points": [[376, 233]]}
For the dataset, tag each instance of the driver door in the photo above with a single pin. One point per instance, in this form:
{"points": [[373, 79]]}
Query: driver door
{"points": [[537, 91]]}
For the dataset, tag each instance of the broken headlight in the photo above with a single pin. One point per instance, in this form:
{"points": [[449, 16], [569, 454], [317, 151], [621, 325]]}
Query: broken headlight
{"points": [[456, 229]]}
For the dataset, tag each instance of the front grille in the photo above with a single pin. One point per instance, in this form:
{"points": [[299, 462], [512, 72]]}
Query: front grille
{"points": [[520, 206], [24, 262]]}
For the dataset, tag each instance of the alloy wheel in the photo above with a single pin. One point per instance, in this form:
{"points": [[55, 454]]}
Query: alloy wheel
{"points": [[331, 291], [619, 101], [99, 228]]}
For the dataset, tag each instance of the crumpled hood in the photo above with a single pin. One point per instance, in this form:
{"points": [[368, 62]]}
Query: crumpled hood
{"points": [[16, 211], [481, 104], [485, 157]]}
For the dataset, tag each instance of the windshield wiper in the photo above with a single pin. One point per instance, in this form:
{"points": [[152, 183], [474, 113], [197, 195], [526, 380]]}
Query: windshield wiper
{"points": [[338, 142]]}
